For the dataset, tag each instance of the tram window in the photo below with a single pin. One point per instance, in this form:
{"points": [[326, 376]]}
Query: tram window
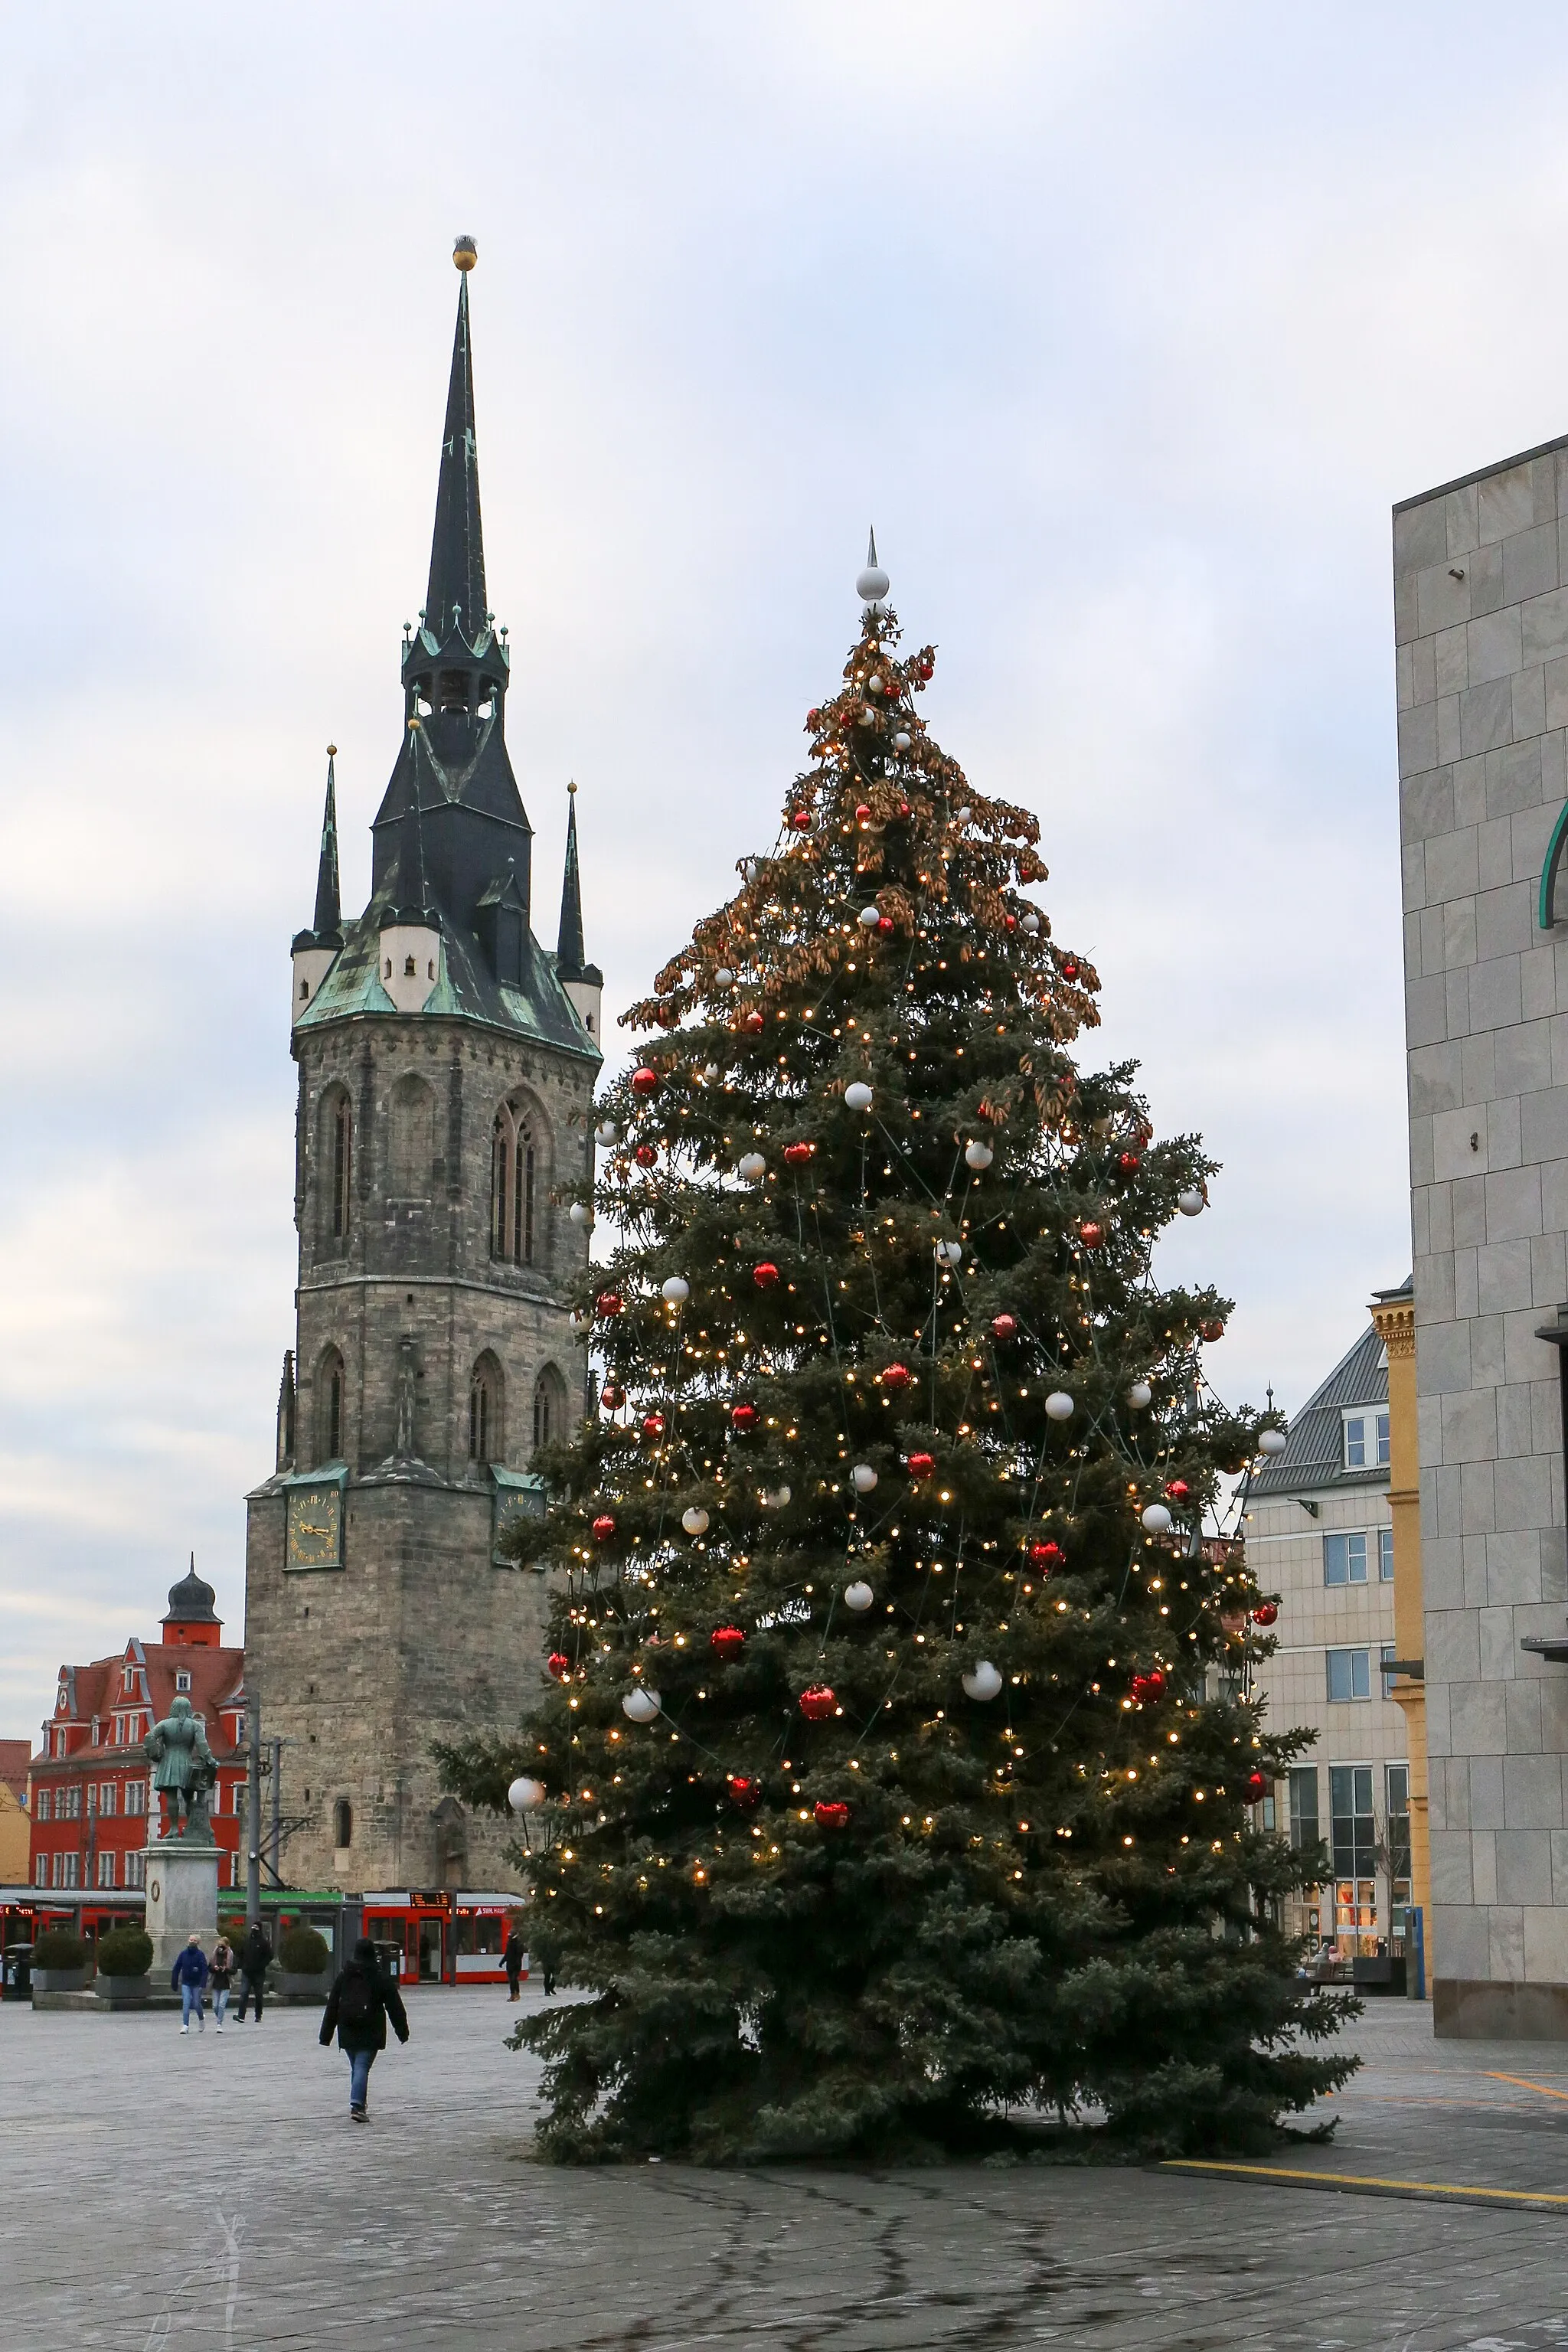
{"points": [[480, 1932]]}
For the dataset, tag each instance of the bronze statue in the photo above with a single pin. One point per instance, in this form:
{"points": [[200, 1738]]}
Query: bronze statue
{"points": [[186, 1773]]}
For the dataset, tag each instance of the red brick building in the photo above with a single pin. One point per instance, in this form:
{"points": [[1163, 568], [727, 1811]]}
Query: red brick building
{"points": [[91, 1785]]}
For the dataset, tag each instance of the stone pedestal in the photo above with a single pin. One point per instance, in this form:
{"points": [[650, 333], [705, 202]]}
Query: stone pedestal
{"points": [[181, 1882]]}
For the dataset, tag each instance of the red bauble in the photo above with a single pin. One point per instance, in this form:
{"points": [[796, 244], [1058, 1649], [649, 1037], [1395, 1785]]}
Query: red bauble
{"points": [[558, 1664], [753, 1022], [924, 669], [896, 1376], [609, 1302], [766, 1274], [921, 1465], [603, 1528], [812, 716], [1047, 1555], [645, 1155], [726, 1639], [613, 1395], [1213, 1329], [1090, 1235], [1265, 1613], [1178, 1490], [817, 1702], [884, 924], [863, 814], [1148, 1687], [1070, 967], [903, 808], [833, 1814], [644, 1081], [742, 1791], [1130, 1163], [1010, 922], [1257, 1787], [797, 1154], [1003, 1327], [742, 1416], [801, 819], [653, 1424]]}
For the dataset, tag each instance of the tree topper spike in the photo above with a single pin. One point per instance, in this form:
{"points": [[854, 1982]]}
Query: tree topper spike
{"points": [[871, 549]]}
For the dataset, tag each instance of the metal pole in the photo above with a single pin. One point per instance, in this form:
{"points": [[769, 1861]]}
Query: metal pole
{"points": [[253, 1793], [277, 1745]]}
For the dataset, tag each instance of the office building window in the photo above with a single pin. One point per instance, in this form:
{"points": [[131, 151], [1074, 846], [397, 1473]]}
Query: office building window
{"points": [[134, 1869], [1385, 1555], [1344, 1560], [1304, 1829], [136, 1796], [1349, 1674], [1366, 1440], [41, 1870], [1353, 1829], [109, 1796], [106, 1870]]}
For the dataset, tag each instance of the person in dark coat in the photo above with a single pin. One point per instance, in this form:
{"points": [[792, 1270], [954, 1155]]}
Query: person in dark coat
{"points": [[255, 1959], [512, 1959], [360, 2001], [189, 1977]]}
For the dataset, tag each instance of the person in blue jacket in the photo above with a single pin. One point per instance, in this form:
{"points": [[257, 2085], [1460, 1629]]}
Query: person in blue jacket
{"points": [[189, 1978]]}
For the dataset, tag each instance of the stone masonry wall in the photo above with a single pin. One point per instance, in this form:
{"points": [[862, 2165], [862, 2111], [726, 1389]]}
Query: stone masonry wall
{"points": [[1481, 630]]}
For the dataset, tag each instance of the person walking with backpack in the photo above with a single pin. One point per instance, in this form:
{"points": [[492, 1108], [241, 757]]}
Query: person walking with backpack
{"points": [[255, 1959], [220, 1969], [189, 1977], [360, 2001]]}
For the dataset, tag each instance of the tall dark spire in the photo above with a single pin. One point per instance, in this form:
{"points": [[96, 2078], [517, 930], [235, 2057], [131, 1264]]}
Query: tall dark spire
{"points": [[571, 955], [328, 925], [456, 595]]}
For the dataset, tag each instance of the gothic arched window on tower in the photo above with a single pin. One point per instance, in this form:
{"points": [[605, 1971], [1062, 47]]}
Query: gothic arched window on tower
{"points": [[516, 1174], [485, 1437], [337, 1165], [549, 1409], [330, 1407], [342, 1823]]}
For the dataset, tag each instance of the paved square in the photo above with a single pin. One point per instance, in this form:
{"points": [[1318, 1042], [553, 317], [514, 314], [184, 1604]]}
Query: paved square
{"points": [[284, 2226]]}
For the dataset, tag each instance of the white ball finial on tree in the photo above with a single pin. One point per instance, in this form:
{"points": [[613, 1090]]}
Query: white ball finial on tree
{"points": [[873, 583]]}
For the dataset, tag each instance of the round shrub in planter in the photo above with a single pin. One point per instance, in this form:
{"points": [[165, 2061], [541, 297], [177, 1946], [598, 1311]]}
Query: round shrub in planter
{"points": [[60, 1962], [124, 1957], [305, 1962]]}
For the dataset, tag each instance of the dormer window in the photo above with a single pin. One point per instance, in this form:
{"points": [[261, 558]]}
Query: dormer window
{"points": [[1365, 1439], [183, 1681], [410, 969]]}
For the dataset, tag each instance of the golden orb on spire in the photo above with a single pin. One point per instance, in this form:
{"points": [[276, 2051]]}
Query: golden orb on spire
{"points": [[465, 253], [331, 750]]}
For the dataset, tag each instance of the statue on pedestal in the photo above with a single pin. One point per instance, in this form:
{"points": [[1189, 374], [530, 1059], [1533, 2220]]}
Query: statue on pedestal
{"points": [[186, 1774]]}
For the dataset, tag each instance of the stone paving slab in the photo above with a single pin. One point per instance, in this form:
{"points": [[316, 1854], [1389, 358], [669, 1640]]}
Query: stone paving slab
{"points": [[286, 2228]]}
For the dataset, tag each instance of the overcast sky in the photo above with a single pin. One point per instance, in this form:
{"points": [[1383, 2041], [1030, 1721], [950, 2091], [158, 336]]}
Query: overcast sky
{"points": [[1126, 324]]}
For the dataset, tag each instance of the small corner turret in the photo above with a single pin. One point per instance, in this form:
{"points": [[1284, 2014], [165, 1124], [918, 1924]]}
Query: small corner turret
{"points": [[316, 950], [583, 983]]}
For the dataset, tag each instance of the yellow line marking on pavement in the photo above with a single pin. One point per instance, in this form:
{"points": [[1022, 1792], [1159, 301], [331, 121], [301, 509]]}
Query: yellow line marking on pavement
{"points": [[1544, 2088], [1367, 2181]]}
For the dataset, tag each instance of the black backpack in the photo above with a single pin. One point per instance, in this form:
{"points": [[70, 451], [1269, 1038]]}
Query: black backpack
{"points": [[359, 1998]]}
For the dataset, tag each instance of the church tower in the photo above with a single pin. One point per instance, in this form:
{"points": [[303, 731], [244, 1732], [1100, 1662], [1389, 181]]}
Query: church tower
{"points": [[447, 1064]]}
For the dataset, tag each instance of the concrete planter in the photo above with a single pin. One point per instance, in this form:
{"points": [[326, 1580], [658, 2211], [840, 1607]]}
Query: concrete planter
{"points": [[59, 1979], [125, 1992], [304, 1989]]}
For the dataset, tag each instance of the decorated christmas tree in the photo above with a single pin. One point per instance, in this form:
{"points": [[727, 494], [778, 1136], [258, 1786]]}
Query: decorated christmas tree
{"points": [[898, 1777]]}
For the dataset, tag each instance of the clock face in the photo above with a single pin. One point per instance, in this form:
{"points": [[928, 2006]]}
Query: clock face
{"points": [[315, 1527]]}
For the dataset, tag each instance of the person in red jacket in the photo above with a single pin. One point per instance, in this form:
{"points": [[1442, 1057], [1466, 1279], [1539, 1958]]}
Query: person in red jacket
{"points": [[360, 2001]]}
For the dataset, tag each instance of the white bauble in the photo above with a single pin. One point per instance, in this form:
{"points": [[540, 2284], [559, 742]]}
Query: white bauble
{"points": [[1190, 1205], [525, 1794], [872, 585], [776, 1500], [605, 1133], [949, 1253], [642, 1704], [581, 1213], [982, 1681], [857, 1096], [675, 1290], [863, 1478], [858, 1595], [870, 918], [724, 977], [901, 741], [1031, 924], [752, 1166], [581, 1321], [750, 867], [1059, 1405], [1272, 1441], [695, 1520], [865, 716], [711, 1073], [873, 686], [978, 1154], [1156, 1519], [1140, 1395], [962, 815]]}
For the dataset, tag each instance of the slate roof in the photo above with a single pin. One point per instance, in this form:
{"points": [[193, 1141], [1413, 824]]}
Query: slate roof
{"points": [[1313, 1458], [217, 1681]]}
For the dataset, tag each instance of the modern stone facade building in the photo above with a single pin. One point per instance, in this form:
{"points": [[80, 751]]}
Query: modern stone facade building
{"points": [[1481, 614], [1320, 1535], [445, 1063]]}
